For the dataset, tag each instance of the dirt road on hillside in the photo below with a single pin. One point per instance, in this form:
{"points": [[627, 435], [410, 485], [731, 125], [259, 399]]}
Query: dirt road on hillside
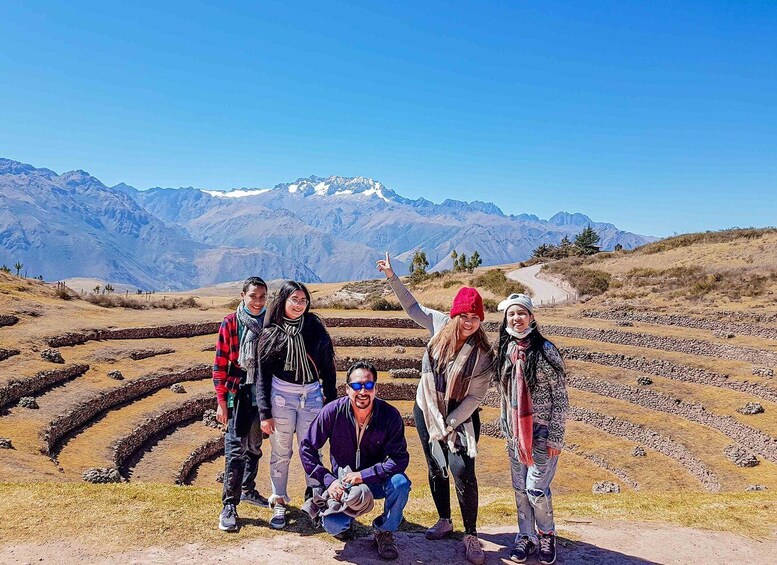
{"points": [[544, 293], [600, 542]]}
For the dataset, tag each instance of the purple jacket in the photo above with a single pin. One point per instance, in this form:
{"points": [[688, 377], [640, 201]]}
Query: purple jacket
{"points": [[383, 450]]}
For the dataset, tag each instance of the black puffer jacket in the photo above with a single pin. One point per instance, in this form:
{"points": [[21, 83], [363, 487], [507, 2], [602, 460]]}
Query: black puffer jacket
{"points": [[272, 356]]}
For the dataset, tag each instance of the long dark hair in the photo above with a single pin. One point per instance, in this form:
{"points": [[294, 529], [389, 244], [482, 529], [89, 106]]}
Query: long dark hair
{"points": [[535, 348], [277, 310]]}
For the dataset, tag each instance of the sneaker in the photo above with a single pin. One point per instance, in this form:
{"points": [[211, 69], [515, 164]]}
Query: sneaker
{"points": [[473, 551], [278, 520], [228, 518], [522, 549], [387, 547], [442, 528], [346, 534], [253, 497], [547, 549]]}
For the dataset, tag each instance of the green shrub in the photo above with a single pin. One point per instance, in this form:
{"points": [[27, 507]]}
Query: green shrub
{"points": [[383, 304], [497, 282], [452, 282]]}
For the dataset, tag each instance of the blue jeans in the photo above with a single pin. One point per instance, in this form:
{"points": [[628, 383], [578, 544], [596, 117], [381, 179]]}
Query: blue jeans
{"points": [[242, 454], [293, 412], [532, 487], [395, 490]]}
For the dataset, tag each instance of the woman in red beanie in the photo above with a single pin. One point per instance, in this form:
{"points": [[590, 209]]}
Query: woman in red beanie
{"points": [[456, 370]]}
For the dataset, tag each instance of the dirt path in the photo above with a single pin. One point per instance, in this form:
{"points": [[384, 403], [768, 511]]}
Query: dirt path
{"points": [[543, 292], [611, 543]]}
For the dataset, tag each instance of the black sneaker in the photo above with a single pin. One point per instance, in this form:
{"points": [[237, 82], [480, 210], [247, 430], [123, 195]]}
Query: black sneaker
{"points": [[522, 549], [278, 520], [346, 534], [253, 497], [228, 518], [547, 549]]}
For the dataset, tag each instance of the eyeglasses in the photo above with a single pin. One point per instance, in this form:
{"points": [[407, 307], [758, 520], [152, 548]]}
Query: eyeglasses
{"points": [[298, 301], [369, 385]]}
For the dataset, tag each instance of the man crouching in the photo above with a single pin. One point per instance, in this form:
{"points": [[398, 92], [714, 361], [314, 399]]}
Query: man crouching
{"points": [[365, 434]]}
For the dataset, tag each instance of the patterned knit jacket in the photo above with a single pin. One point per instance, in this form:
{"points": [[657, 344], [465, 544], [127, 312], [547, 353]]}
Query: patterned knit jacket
{"points": [[549, 397]]}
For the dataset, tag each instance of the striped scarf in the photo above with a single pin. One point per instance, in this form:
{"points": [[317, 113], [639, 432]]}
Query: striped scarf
{"points": [[521, 410], [296, 354], [249, 339]]}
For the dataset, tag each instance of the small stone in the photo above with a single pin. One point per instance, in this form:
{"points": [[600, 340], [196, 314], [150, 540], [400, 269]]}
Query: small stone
{"points": [[751, 408], [404, 373], [177, 388], [605, 487], [755, 488], [763, 372], [52, 355], [740, 457], [399, 349], [725, 335], [28, 402], [209, 419], [644, 381], [639, 451], [220, 477], [102, 475], [115, 375], [624, 323], [5, 443]]}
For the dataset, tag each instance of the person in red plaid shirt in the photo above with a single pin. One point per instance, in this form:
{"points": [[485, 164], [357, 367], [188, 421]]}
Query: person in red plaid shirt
{"points": [[234, 378]]}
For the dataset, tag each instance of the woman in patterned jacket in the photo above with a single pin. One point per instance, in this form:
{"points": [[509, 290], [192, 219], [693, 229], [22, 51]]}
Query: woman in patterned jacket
{"points": [[534, 404]]}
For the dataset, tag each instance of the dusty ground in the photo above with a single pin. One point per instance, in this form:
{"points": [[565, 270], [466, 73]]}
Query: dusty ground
{"points": [[601, 542]]}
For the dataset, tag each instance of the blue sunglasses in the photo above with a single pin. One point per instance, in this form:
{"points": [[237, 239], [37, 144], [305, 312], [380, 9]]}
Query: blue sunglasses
{"points": [[369, 385]]}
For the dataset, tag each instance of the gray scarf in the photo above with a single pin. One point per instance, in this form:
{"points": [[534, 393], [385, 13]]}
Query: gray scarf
{"points": [[252, 329], [296, 354]]}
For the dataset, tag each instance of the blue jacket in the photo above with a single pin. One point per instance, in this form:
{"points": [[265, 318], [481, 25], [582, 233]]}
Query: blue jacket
{"points": [[383, 450]]}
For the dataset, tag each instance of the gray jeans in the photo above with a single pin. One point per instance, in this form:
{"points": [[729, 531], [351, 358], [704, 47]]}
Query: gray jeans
{"points": [[241, 459], [532, 487]]}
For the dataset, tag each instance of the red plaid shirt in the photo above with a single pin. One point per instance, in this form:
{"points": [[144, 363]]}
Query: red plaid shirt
{"points": [[227, 351]]}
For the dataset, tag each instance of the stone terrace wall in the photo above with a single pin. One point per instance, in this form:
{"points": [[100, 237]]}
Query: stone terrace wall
{"points": [[192, 408], [619, 314], [383, 364], [209, 449], [6, 353], [104, 400], [669, 370], [649, 438], [14, 389], [167, 332], [396, 323], [377, 341], [689, 346], [753, 439]]}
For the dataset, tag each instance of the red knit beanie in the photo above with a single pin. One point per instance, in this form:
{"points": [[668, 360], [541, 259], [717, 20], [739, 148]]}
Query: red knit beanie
{"points": [[468, 300]]}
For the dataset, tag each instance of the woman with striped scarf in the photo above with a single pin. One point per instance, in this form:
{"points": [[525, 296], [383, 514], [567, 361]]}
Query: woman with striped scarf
{"points": [[534, 405], [456, 370], [297, 378]]}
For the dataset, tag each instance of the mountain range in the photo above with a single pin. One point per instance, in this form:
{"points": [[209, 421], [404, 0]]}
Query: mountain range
{"points": [[313, 229]]}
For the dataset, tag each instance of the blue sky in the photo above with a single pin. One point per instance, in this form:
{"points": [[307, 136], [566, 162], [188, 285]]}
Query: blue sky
{"points": [[660, 117]]}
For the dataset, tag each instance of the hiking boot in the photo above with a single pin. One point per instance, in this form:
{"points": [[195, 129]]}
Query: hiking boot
{"points": [[473, 551], [253, 497], [228, 518], [387, 547], [522, 549], [278, 520], [547, 551], [442, 528]]}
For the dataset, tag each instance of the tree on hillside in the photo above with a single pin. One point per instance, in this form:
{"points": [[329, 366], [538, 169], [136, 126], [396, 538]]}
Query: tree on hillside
{"points": [[5, 268], [587, 241], [618, 247], [462, 266], [474, 262], [97, 289], [108, 288], [18, 266], [455, 258], [419, 263], [543, 250]]}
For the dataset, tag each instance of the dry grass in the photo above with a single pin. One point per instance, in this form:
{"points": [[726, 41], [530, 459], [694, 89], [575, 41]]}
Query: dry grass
{"points": [[143, 515]]}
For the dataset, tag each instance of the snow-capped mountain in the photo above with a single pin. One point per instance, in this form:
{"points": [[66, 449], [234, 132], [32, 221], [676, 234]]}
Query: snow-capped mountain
{"points": [[312, 229]]}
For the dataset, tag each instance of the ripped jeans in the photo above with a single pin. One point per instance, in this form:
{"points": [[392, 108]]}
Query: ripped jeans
{"points": [[294, 407], [532, 487]]}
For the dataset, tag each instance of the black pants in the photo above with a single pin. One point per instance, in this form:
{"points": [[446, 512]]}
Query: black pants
{"points": [[242, 454], [462, 468]]}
